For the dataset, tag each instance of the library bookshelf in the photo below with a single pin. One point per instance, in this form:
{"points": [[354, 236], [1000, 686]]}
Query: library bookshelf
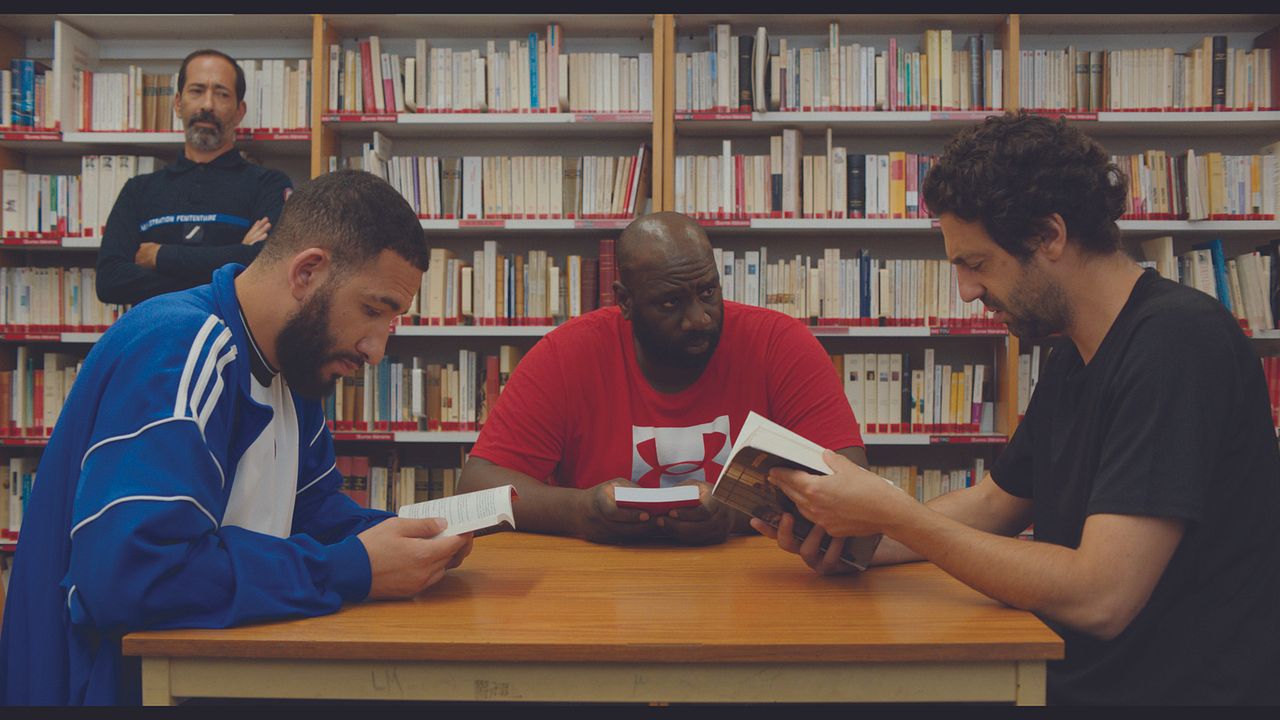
{"points": [[667, 126]]}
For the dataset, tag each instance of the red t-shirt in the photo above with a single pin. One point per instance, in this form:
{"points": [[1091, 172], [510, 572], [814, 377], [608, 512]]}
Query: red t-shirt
{"points": [[577, 411]]}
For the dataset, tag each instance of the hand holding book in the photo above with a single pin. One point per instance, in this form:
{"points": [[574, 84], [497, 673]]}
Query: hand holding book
{"points": [[851, 501], [765, 449]]}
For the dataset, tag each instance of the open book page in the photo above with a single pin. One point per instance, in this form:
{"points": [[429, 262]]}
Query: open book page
{"points": [[469, 512], [743, 483]]}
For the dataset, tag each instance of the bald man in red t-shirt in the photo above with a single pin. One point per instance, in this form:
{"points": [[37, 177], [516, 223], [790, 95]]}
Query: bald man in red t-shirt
{"points": [[652, 393]]}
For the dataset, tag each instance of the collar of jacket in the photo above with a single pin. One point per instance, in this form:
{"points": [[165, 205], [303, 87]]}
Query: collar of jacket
{"points": [[229, 159]]}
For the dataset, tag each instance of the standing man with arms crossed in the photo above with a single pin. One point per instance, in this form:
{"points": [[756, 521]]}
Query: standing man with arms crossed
{"points": [[1146, 460], [652, 393], [170, 229], [190, 480]]}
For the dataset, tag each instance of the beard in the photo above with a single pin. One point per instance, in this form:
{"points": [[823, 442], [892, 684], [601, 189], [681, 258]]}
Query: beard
{"points": [[202, 138], [1036, 307], [305, 346], [663, 352]]}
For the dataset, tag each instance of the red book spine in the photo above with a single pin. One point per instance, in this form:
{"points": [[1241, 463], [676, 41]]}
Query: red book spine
{"points": [[37, 404], [360, 481], [366, 77]]}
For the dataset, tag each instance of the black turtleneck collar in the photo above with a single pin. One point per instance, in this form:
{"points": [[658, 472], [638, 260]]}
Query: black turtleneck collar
{"points": [[229, 159]]}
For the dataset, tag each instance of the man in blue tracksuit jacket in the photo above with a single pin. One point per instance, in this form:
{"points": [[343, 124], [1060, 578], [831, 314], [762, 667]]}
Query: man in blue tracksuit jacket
{"points": [[190, 480]]}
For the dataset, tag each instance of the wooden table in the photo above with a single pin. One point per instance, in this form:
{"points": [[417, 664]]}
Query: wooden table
{"points": [[536, 618]]}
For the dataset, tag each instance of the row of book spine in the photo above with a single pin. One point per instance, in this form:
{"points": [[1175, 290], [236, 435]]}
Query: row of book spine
{"points": [[389, 487], [277, 96], [1247, 284], [742, 73], [15, 489], [1029, 364], [32, 394], [414, 394], [1210, 76], [786, 184], [24, 95], [515, 187], [925, 484], [850, 291], [67, 205], [53, 299], [888, 395], [530, 74], [1201, 186]]}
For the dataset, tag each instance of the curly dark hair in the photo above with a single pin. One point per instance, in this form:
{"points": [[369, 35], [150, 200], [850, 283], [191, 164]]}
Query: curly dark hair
{"points": [[1013, 171]]}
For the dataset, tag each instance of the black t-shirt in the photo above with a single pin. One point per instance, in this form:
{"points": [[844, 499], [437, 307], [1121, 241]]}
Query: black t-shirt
{"points": [[1169, 419], [197, 212]]}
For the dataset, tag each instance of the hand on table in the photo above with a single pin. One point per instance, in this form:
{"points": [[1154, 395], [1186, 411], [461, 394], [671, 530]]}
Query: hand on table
{"points": [[406, 556], [707, 524]]}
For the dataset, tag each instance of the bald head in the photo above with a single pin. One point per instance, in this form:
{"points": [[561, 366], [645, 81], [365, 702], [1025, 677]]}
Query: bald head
{"points": [[658, 243]]}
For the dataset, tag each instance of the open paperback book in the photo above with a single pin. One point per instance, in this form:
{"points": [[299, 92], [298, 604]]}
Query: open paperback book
{"points": [[481, 512], [743, 483]]}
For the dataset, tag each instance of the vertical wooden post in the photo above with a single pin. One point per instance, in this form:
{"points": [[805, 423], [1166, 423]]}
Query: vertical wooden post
{"points": [[1006, 420], [657, 177], [668, 112], [324, 140], [11, 46], [157, 686]]}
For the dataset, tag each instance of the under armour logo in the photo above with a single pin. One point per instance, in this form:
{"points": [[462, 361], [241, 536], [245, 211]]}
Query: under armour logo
{"points": [[662, 457]]}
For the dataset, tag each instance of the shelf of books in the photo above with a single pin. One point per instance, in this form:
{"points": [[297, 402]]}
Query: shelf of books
{"points": [[526, 143]]}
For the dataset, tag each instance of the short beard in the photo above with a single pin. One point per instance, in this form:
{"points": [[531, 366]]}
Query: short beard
{"points": [[305, 346], [202, 138], [1037, 307], [660, 353]]}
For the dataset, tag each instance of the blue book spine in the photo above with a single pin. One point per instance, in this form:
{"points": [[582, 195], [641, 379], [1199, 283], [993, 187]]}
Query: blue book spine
{"points": [[864, 283], [24, 91], [533, 70], [712, 63], [1214, 247], [384, 389]]}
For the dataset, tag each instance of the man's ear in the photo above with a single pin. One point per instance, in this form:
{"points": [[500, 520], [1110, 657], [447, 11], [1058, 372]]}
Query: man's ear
{"points": [[622, 296], [240, 111], [1053, 237], [307, 271]]}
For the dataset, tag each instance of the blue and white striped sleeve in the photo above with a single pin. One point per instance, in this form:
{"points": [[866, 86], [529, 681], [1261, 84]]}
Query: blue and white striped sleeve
{"points": [[147, 546]]}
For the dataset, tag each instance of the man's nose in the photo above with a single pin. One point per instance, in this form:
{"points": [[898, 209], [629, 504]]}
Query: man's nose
{"points": [[970, 289], [373, 348], [696, 317]]}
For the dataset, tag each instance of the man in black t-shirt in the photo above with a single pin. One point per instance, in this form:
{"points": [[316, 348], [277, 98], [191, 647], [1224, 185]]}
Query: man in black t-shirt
{"points": [[1147, 460], [169, 230]]}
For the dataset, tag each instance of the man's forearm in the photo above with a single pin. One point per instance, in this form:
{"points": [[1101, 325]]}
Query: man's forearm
{"points": [[541, 508], [1041, 577], [972, 506]]}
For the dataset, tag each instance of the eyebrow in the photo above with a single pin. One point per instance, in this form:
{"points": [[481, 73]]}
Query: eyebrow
{"points": [[197, 83], [390, 302], [966, 258]]}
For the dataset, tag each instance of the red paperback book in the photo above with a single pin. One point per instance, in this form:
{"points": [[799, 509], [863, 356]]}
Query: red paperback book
{"points": [[366, 78]]}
